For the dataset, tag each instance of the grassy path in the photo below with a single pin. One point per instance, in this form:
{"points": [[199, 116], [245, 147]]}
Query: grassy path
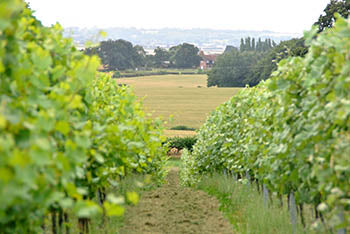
{"points": [[175, 209]]}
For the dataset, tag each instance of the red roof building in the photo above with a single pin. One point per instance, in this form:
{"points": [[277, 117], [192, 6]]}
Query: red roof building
{"points": [[207, 61]]}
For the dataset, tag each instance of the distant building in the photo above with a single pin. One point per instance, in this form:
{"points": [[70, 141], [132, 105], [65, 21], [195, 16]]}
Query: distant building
{"points": [[203, 65], [207, 61], [165, 64]]}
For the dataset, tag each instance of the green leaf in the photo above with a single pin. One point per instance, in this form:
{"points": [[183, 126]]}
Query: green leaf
{"points": [[115, 200], [3, 122], [63, 127], [86, 209], [132, 197], [113, 209]]}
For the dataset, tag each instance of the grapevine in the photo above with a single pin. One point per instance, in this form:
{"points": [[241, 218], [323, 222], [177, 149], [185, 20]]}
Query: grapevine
{"points": [[291, 132], [67, 132]]}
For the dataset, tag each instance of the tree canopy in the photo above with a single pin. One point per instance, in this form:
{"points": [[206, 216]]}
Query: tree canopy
{"points": [[249, 44], [230, 48], [161, 55], [122, 55], [268, 62], [232, 69], [185, 55], [254, 62], [119, 55], [327, 19]]}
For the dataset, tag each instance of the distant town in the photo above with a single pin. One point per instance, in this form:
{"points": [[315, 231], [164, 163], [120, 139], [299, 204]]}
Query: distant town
{"points": [[208, 40]]}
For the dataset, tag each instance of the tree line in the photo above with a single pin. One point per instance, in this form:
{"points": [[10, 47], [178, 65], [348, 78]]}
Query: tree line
{"points": [[122, 55], [256, 60], [252, 62]]}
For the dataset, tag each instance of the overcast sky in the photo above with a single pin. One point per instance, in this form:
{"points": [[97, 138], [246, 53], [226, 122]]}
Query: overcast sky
{"points": [[293, 16]]}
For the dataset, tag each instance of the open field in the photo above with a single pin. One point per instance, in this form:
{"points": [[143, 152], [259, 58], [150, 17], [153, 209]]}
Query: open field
{"points": [[179, 133], [185, 97]]}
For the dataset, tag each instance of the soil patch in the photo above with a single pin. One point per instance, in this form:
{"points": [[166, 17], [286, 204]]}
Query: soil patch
{"points": [[175, 209]]}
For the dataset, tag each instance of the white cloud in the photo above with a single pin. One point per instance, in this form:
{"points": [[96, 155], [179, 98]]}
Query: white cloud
{"points": [[276, 15]]}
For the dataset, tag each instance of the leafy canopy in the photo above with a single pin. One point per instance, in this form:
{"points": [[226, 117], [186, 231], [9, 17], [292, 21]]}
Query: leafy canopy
{"points": [[290, 132], [65, 129]]}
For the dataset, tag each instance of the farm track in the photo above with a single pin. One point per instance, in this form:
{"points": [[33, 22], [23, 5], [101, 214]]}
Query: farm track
{"points": [[175, 209]]}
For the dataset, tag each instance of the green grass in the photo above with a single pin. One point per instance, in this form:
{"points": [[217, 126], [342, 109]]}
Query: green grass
{"points": [[245, 208], [174, 162], [185, 97]]}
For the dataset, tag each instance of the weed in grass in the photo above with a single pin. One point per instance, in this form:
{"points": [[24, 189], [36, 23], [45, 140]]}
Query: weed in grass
{"points": [[245, 208]]}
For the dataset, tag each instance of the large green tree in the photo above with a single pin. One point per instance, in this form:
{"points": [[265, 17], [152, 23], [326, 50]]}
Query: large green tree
{"points": [[230, 48], [161, 55], [119, 54], [185, 55], [254, 62], [249, 44], [327, 19], [268, 61], [232, 69]]}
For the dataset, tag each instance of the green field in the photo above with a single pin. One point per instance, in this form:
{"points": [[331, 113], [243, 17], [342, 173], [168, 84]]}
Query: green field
{"points": [[185, 97]]}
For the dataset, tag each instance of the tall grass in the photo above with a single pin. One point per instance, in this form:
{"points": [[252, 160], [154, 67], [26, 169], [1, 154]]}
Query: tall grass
{"points": [[245, 209]]}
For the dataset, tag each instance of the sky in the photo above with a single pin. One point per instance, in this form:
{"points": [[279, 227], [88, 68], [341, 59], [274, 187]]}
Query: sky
{"points": [[291, 16]]}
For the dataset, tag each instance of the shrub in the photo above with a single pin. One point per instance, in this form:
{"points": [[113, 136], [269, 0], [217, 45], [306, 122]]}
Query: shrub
{"points": [[116, 74], [182, 127], [181, 142]]}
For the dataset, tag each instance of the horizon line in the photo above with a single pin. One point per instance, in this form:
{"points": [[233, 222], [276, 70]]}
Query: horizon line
{"points": [[178, 28]]}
